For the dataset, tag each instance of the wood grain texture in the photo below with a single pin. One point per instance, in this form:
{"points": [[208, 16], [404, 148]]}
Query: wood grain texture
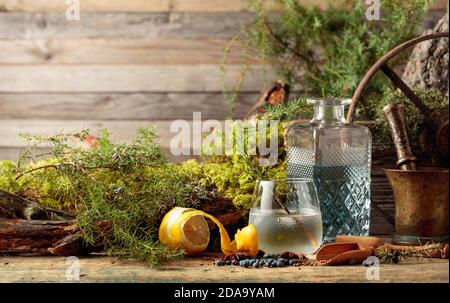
{"points": [[157, 5], [110, 269], [382, 199], [117, 106], [218, 25], [31, 236], [12, 153], [126, 78], [123, 130], [378, 223], [124, 5], [11, 143], [118, 51]]}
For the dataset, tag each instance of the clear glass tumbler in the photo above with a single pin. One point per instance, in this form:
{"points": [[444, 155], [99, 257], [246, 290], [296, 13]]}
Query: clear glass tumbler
{"points": [[286, 215]]}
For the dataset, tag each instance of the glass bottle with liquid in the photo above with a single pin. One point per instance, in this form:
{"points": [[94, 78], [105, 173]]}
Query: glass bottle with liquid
{"points": [[337, 156]]}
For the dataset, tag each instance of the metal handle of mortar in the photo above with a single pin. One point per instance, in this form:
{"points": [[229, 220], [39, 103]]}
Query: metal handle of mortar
{"points": [[396, 116]]}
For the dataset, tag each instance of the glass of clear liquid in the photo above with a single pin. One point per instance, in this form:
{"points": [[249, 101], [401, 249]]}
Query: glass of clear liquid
{"points": [[286, 215]]}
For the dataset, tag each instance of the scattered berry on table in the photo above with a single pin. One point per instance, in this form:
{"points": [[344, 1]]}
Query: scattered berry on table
{"points": [[293, 262], [261, 260], [281, 263], [220, 263]]}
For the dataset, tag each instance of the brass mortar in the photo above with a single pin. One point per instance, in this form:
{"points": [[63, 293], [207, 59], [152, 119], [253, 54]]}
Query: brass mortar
{"points": [[421, 205]]}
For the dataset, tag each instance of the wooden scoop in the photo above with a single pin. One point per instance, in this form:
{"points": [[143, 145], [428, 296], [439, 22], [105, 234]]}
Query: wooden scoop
{"points": [[343, 253], [348, 249], [356, 249]]}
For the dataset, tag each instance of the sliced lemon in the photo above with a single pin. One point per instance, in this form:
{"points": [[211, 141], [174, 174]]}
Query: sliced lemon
{"points": [[186, 228], [188, 232]]}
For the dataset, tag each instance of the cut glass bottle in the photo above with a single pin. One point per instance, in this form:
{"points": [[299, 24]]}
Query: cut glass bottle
{"points": [[337, 156]]}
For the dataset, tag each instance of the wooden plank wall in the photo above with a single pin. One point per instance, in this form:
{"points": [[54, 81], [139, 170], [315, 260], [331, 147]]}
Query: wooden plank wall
{"points": [[124, 65]]}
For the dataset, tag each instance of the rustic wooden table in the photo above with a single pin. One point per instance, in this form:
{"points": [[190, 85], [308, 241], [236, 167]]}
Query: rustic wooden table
{"points": [[109, 269]]}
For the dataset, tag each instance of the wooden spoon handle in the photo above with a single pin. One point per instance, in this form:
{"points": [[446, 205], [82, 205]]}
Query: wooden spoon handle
{"points": [[370, 242]]}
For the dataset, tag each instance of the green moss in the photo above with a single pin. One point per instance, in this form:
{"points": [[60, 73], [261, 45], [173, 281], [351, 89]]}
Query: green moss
{"points": [[131, 186], [231, 178], [8, 170]]}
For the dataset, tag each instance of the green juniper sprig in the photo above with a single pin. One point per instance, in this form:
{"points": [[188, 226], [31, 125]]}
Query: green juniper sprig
{"points": [[387, 255], [129, 185], [291, 110], [326, 52]]}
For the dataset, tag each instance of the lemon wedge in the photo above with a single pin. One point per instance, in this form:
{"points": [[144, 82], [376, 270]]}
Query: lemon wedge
{"points": [[186, 228], [247, 240]]}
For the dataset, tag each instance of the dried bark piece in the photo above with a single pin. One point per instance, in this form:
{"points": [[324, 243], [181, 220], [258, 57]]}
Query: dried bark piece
{"points": [[428, 65], [276, 94], [15, 207], [32, 237]]}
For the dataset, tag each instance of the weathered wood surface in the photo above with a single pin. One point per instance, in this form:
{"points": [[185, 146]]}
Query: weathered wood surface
{"points": [[159, 5], [123, 130], [118, 51], [135, 5], [126, 78], [121, 106], [382, 198], [17, 25], [34, 236], [108, 269], [217, 25]]}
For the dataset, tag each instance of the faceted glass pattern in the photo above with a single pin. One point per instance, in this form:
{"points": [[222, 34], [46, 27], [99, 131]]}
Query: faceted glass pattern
{"points": [[337, 156]]}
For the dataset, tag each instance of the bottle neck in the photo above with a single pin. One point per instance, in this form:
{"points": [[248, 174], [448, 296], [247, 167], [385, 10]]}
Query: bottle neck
{"points": [[329, 115]]}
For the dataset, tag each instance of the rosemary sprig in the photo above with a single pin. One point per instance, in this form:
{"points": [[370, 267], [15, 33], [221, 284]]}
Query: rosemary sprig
{"points": [[396, 254]]}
